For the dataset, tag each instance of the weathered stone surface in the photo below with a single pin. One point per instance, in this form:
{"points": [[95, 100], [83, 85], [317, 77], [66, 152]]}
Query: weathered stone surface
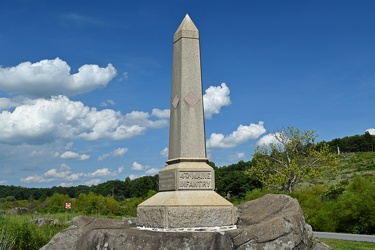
{"points": [[20, 210], [176, 209], [271, 222], [42, 221]]}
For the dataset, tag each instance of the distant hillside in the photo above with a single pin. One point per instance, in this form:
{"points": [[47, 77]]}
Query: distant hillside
{"points": [[362, 163], [355, 143]]}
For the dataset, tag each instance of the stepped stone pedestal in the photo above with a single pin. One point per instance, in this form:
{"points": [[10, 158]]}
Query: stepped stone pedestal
{"points": [[186, 197]]}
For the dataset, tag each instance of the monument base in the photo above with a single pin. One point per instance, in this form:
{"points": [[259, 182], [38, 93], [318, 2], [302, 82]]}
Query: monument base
{"points": [[186, 209]]}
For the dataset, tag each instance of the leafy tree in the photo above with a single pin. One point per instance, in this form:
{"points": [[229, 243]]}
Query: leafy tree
{"points": [[292, 159], [232, 182], [56, 203], [141, 186]]}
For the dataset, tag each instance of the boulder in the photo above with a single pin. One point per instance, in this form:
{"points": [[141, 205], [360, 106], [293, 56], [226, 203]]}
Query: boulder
{"points": [[270, 222], [20, 210]]}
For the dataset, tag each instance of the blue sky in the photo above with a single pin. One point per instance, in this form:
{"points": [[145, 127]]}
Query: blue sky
{"points": [[85, 85]]}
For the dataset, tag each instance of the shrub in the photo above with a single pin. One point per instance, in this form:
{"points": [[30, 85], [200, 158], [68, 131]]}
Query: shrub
{"points": [[356, 204]]}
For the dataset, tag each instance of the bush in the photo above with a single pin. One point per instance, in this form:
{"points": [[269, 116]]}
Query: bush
{"points": [[356, 204], [319, 213]]}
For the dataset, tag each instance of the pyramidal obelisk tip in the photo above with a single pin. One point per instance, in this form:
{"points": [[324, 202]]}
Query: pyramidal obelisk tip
{"points": [[186, 29]]}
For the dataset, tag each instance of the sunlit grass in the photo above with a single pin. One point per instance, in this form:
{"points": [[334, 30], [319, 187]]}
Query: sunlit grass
{"points": [[17, 232], [348, 245]]}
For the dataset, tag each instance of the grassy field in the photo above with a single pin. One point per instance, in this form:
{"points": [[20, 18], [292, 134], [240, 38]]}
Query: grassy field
{"points": [[348, 245], [16, 231]]}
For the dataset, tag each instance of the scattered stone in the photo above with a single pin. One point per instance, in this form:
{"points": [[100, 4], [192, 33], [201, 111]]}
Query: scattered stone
{"points": [[20, 210], [42, 221]]}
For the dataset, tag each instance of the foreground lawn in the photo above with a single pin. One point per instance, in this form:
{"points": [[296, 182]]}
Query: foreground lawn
{"points": [[348, 245]]}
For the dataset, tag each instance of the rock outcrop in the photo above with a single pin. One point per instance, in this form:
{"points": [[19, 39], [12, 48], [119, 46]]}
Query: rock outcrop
{"points": [[20, 210], [270, 222]]}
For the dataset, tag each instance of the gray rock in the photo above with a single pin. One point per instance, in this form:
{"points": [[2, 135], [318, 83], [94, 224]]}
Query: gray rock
{"points": [[20, 210], [270, 222], [42, 221]]}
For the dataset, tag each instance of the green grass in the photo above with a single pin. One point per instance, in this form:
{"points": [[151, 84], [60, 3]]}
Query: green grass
{"points": [[16, 232], [348, 245]]}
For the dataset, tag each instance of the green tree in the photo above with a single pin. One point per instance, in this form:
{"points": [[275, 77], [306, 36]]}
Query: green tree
{"points": [[232, 182], [56, 203], [292, 159]]}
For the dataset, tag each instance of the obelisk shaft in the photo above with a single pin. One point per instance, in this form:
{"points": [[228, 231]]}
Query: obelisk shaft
{"points": [[187, 132], [187, 198]]}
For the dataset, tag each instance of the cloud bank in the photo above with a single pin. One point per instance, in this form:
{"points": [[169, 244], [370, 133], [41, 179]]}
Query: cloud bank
{"points": [[53, 77], [45, 120], [66, 175]]}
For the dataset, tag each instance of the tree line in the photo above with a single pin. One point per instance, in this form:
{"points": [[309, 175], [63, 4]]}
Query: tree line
{"points": [[231, 182], [118, 189], [355, 143]]}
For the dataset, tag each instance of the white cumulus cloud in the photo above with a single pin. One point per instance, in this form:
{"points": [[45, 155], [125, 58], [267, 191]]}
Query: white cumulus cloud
{"points": [[240, 136], [161, 114], [53, 77], [215, 98], [268, 139], [44, 120], [74, 155], [371, 131], [137, 166]]}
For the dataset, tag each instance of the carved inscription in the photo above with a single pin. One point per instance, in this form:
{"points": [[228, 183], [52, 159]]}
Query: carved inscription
{"points": [[195, 180], [167, 180]]}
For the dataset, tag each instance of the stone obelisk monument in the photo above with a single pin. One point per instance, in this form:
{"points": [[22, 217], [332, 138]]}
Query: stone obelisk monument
{"points": [[186, 197]]}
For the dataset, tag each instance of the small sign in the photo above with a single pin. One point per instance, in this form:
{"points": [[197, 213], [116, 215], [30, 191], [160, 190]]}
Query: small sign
{"points": [[68, 205]]}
